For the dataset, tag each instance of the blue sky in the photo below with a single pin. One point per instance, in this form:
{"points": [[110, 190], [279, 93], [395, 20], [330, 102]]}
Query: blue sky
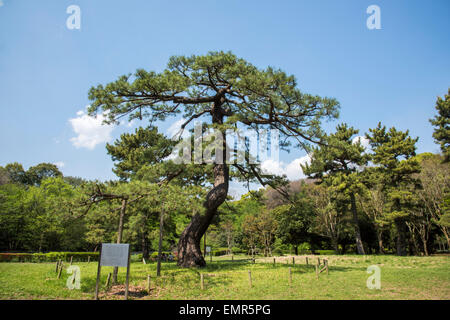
{"points": [[392, 75]]}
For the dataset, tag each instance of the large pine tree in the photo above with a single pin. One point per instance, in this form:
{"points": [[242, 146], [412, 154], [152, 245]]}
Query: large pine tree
{"points": [[225, 91]]}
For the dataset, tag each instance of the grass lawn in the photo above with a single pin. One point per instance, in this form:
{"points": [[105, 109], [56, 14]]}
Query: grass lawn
{"points": [[401, 278]]}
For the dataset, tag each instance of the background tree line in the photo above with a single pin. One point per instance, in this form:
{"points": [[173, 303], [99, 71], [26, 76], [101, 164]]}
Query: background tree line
{"points": [[376, 199]]}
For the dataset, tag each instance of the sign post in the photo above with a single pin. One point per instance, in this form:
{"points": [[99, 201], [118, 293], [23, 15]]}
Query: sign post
{"points": [[113, 255]]}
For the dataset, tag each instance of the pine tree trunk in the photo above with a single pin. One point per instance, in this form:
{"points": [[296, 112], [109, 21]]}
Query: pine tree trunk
{"points": [[189, 252], [444, 229], [161, 228], [41, 240], [359, 244], [145, 249], [401, 237], [119, 234], [424, 239], [380, 241], [334, 243], [425, 248]]}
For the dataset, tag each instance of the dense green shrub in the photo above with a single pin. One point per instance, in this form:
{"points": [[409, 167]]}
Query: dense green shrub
{"points": [[219, 252], [136, 257], [237, 250], [304, 248], [48, 257], [280, 248], [154, 255], [325, 252]]}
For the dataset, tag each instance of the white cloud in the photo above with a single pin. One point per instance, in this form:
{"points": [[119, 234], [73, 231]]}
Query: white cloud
{"points": [[363, 140], [292, 170], [90, 130], [175, 129], [273, 167], [59, 164]]}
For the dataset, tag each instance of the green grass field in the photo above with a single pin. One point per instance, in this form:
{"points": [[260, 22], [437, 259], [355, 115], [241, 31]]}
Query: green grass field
{"points": [[401, 278]]}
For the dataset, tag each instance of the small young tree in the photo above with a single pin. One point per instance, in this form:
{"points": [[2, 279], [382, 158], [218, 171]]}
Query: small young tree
{"points": [[329, 220], [373, 201], [294, 220], [266, 226], [434, 178], [250, 232]]}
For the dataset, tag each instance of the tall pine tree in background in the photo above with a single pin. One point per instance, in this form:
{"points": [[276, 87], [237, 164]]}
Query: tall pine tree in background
{"points": [[335, 163], [441, 122], [393, 153]]}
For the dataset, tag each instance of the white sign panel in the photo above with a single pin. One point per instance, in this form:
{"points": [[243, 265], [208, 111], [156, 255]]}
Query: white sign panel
{"points": [[114, 255], [208, 249]]}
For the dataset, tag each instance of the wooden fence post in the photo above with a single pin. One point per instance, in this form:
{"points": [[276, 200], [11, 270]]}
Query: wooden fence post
{"points": [[108, 280], [317, 271], [274, 261], [290, 276], [89, 259], [148, 284], [326, 265], [307, 261], [293, 260], [57, 266], [202, 284], [250, 278], [60, 270]]}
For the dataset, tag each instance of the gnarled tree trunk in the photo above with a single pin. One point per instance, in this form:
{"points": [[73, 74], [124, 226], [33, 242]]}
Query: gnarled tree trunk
{"points": [[189, 251]]}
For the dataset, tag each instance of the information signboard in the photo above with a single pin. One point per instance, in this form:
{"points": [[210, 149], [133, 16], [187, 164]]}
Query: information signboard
{"points": [[114, 255]]}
